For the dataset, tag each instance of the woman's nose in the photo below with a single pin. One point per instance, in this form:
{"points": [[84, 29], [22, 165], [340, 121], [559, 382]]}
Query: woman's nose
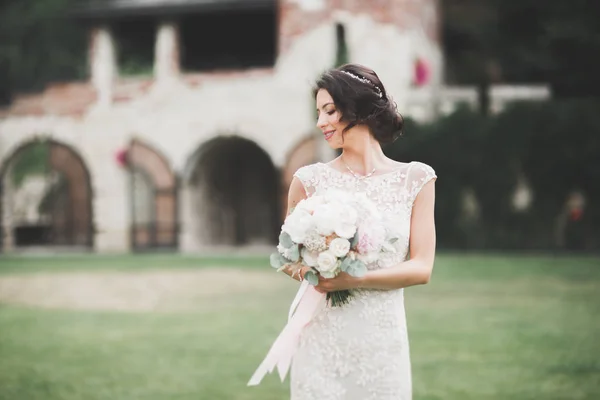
{"points": [[321, 122]]}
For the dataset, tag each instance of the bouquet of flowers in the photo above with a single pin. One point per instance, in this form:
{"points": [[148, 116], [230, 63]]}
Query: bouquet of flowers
{"points": [[331, 233]]}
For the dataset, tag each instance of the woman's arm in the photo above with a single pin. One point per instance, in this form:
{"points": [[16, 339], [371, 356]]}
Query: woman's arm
{"points": [[296, 193], [417, 270]]}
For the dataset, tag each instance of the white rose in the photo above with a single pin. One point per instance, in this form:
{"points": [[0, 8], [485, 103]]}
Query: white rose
{"points": [[345, 231], [339, 247], [297, 225], [326, 218], [309, 258], [327, 263], [328, 275]]}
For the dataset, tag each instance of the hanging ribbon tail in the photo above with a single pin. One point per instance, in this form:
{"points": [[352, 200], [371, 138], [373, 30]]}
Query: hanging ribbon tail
{"points": [[303, 308]]}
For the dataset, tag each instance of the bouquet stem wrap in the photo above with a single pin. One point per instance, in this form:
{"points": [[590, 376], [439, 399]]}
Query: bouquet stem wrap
{"points": [[305, 305]]}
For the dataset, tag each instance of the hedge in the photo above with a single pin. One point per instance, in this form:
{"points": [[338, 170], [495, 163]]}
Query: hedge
{"points": [[553, 148]]}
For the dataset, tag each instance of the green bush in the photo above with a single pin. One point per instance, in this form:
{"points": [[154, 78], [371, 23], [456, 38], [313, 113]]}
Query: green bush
{"points": [[552, 147]]}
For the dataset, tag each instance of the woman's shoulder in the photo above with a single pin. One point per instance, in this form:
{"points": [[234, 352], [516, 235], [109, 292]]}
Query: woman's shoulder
{"points": [[420, 168], [308, 172], [310, 167], [411, 168], [418, 175]]}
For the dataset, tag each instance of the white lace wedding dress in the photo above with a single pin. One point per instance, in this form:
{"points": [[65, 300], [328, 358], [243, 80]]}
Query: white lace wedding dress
{"points": [[360, 351]]}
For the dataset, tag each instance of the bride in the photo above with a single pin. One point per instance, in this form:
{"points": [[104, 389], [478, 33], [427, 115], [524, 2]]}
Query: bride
{"points": [[360, 351]]}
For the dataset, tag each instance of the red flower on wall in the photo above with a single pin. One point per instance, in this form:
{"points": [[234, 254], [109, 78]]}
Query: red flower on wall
{"points": [[421, 72], [121, 157]]}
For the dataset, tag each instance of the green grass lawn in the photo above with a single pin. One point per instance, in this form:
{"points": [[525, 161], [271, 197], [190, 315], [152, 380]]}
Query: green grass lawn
{"points": [[486, 327]]}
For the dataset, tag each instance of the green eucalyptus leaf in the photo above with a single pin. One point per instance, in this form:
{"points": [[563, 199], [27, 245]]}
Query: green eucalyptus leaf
{"points": [[354, 240], [388, 248], [346, 264], [311, 277], [285, 240], [357, 269], [294, 252], [275, 260], [278, 261]]}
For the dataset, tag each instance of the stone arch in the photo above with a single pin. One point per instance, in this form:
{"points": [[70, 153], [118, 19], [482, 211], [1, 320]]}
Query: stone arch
{"points": [[62, 211], [153, 187], [230, 195], [304, 153]]}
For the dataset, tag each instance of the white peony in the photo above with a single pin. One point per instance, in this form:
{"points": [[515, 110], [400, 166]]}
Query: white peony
{"points": [[298, 224], [309, 258], [348, 215], [339, 247], [327, 263], [345, 231], [310, 204], [326, 218]]}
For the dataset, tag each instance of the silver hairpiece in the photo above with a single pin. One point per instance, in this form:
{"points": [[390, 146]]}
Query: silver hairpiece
{"points": [[365, 80]]}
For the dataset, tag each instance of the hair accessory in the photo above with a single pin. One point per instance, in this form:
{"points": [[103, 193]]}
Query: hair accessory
{"points": [[365, 80]]}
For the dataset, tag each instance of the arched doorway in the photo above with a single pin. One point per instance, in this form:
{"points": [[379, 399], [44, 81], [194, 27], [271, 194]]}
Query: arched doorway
{"points": [[153, 199], [231, 196], [46, 197]]}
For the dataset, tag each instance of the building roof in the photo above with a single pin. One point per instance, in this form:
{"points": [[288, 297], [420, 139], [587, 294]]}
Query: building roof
{"points": [[121, 8]]}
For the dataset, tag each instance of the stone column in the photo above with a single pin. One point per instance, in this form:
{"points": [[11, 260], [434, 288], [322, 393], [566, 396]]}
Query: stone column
{"points": [[194, 222], [166, 53], [103, 64], [7, 221]]}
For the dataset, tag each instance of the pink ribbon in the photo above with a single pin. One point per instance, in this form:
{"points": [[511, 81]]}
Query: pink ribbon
{"points": [[303, 308]]}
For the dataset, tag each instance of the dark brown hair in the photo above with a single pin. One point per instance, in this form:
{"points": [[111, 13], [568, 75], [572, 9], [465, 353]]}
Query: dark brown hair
{"points": [[361, 99]]}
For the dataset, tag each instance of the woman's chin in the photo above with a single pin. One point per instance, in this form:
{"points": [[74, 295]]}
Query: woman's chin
{"points": [[334, 143]]}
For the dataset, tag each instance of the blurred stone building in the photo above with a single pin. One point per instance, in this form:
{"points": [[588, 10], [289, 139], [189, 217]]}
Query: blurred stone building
{"points": [[196, 115]]}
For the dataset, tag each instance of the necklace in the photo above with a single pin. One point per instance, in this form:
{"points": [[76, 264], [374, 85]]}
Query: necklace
{"points": [[357, 176]]}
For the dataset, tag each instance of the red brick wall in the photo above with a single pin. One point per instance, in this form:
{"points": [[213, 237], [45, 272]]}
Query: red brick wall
{"points": [[59, 99], [294, 21]]}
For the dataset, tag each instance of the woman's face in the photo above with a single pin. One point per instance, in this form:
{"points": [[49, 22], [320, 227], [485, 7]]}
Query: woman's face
{"points": [[329, 120]]}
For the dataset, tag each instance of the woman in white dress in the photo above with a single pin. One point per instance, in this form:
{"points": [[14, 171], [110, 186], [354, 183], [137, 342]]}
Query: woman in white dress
{"points": [[359, 351]]}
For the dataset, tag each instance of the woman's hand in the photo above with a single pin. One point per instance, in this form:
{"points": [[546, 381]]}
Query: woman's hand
{"points": [[343, 281], [302, 271]]}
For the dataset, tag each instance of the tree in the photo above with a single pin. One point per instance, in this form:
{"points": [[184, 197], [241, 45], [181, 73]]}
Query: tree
{"points": [[525, 41], [39, 45]]}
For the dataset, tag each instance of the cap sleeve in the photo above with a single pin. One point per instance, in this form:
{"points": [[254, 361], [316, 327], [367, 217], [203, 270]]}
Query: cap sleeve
{"points": [[418, 176], [307, 176]]}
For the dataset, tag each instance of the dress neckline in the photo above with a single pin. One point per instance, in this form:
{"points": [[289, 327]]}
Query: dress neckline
{"points": [[366, 178]]}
